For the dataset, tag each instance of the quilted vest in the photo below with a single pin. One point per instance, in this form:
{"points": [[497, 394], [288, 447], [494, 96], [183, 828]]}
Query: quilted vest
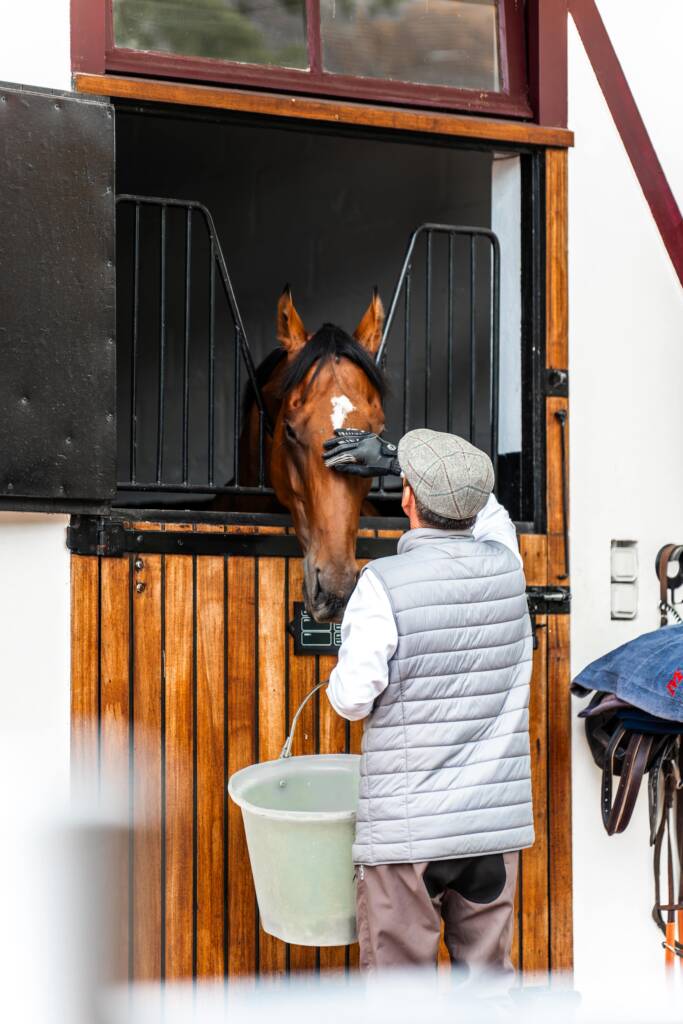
{"points": [[445, 767]]}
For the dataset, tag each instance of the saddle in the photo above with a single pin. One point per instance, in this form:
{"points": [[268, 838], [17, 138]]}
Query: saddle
{"points": [[630, 742]]}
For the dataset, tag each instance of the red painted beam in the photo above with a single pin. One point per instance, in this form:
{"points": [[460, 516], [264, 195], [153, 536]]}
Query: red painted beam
{"points": [[547, 47], [631, 127], [88, 35]]}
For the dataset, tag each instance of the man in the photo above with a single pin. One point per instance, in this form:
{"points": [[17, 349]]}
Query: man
{"points": [[436, 653]]}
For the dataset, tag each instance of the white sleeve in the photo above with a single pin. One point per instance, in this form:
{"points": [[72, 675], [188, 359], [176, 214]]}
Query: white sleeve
{"points": [[369, 639], [494, 523]]}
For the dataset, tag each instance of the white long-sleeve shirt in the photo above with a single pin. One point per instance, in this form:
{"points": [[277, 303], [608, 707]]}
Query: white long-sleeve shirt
{"points": [[369, 636]]}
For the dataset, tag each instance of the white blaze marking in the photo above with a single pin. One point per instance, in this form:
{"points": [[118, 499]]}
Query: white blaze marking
{"points": [[341, 407]]}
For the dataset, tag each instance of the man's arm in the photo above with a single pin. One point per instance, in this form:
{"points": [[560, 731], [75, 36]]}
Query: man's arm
{"points": [[494, 523], [369, 639]]}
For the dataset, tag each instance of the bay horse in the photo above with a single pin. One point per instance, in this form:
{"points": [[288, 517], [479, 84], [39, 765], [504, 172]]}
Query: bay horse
{"points": [[312, 385]]}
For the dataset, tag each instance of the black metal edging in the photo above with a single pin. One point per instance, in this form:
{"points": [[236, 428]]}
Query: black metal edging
{"points": [[94, 535]]}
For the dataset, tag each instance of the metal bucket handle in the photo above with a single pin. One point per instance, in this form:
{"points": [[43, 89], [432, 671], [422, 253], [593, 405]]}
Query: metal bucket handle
{"points": [[287, 749]]}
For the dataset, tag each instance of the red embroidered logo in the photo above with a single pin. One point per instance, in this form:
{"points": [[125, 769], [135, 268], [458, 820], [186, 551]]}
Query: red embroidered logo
{"points": [[676, 678]]}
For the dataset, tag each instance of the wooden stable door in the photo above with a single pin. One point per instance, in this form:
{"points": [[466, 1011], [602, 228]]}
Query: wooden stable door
{"points": [[184, 672]]}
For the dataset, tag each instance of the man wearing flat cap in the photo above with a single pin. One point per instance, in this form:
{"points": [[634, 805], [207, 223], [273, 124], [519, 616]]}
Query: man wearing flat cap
{"points": [[436, 656]]}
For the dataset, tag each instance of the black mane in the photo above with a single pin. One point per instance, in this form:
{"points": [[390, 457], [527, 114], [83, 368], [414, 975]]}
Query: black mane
{"points": [[329, 343]]}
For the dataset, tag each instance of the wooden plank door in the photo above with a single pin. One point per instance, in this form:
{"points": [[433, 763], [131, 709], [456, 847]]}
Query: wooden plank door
{"points": [[183, 672]]}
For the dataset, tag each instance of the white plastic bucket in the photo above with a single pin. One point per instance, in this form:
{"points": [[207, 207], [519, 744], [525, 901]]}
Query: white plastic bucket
{"points": [[299, 817]]}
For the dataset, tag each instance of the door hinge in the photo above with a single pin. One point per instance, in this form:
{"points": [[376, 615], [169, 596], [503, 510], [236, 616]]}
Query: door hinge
{"points": [[556, 383]]}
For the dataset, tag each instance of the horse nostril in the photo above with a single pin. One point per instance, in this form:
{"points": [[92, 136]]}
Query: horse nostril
{"points": [[318, 588]]}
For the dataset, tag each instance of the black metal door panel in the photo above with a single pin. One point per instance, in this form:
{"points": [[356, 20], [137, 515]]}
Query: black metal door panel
{"points": [[57, 301]]}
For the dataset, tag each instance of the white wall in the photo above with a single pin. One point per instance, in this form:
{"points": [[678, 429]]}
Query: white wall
{"points": [[34, 565], [626, 367], [506, 218]]}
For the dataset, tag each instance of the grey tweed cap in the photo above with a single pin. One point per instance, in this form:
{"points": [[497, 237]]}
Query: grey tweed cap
{"points": [[448, 474]]}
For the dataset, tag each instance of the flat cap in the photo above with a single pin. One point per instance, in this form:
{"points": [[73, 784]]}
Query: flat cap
{"points": [[448, 475]]}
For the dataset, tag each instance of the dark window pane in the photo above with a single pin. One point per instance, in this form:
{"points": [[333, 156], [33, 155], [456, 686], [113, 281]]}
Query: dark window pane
{"points": [[434, 42], [251, 31]]}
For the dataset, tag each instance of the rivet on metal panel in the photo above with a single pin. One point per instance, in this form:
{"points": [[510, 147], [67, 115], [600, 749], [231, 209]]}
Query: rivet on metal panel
{"points": [[110, 264], [58, 106], [140, 586], [24, 400], [139, 538], [67, 440], [139, 565], [3, 99], [109, 417]]}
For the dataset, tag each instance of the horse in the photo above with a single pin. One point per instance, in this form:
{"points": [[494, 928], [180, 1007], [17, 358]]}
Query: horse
{"points": [[312, 385]]}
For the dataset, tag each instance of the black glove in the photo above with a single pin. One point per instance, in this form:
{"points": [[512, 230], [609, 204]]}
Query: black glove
{"points": [[360, 453]]}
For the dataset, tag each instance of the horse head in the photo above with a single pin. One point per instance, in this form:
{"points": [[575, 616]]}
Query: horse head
{"points": [[328, 380]]}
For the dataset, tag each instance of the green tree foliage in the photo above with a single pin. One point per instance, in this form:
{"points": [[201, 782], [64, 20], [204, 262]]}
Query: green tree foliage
{"points": [[223, 29]]}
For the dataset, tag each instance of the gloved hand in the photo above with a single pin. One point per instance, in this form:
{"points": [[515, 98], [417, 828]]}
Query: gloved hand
{"points": [[360, 453]]}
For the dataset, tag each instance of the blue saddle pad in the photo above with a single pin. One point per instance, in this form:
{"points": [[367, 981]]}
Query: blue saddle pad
{"points": [[647, 672]]}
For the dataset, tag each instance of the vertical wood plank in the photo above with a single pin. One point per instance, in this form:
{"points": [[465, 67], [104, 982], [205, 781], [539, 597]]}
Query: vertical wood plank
{"points": [[560, 795], [179, 768], [115, 726], [534, 866], [556, 258], [210, 719], [147, 767], [272, 725], [554, 464], [302, 679], [85, 598], [241, 712], [534, 551]]}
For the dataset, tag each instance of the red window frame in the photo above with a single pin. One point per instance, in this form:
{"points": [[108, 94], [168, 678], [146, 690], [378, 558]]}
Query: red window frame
{"points": [[94, 50]]}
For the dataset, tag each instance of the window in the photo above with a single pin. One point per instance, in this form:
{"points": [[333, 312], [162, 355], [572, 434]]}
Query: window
{"points": [[457, 54]]}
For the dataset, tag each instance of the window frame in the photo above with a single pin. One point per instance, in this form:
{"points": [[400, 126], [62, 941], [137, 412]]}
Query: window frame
{"points": [[94, 50]]}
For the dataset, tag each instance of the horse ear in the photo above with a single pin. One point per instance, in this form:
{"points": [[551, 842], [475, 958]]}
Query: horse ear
{"points": [[369, 330], [291, 332]]}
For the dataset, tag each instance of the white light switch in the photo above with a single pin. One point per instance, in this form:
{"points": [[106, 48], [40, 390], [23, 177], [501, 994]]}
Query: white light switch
{"points": [[624, 561], [624, 600]]}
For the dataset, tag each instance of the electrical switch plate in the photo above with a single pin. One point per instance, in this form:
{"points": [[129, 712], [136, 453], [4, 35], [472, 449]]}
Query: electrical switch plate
{"points": [[624, 561], [624, 600]]}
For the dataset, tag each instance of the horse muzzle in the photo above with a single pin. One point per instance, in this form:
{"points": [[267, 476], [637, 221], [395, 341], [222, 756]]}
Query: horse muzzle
{"points": [[327, 591]]}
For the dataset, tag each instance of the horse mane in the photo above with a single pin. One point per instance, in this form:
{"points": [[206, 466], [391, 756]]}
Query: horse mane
{"points": [[329, 343]]}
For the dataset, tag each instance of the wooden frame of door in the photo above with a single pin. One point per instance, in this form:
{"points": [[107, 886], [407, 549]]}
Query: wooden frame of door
{"points": [[118, 637]]}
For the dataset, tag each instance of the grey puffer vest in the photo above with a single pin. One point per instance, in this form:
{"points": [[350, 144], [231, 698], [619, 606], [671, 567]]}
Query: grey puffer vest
{"points": [[445, 766]]}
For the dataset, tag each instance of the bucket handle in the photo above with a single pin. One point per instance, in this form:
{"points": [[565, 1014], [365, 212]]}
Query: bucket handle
{"points": [[287, 749]]}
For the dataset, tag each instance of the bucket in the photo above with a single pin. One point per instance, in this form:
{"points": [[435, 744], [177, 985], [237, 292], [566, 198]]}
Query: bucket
{"points": [[299, 817]]}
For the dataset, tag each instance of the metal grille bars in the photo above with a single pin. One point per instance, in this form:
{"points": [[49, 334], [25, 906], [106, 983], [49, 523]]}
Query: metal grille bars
{"points": [[173, 473]]}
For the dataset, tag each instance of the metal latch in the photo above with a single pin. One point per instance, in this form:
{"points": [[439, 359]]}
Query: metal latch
{"points": [[548, 600]]}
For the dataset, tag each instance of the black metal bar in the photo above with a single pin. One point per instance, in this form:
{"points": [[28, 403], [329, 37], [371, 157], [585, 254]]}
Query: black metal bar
{"points": [[495, 353], [109, 539], [406, 352], [428, 326], [236, 441], [261, 459], [561, 417], [212, 355], [134, 350], [473, 342], [454, 229], [449, 336], [186, 343], [162, 347]]}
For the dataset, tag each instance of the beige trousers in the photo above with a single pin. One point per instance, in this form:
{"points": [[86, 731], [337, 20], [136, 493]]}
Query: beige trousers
{"points": [[399, 908]]}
